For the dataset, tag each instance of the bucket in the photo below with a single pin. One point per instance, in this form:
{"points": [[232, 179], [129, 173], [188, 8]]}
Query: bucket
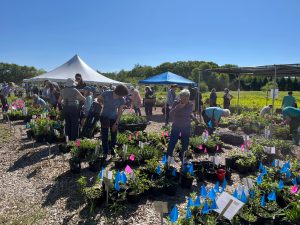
{"points": [[221, 174]]}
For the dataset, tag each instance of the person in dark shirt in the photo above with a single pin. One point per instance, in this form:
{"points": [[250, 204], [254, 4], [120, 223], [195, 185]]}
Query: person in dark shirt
{"points": [[80, 84]]}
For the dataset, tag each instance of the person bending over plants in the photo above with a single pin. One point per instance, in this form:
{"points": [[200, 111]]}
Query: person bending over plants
{"points": [[181, 112], [291, 116], [212, 116], [113, 103]]}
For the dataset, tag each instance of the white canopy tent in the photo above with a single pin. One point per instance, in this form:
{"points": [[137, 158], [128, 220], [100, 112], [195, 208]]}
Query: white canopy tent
{"points": [[69, 69]]}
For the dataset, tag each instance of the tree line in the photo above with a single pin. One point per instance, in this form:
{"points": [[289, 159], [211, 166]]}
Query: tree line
{"points": [[16, 73], [188, 69]]}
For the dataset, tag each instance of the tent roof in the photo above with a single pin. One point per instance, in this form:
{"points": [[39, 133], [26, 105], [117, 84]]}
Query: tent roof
{"points": [[167, 78], [281, 70], [69, 69]]}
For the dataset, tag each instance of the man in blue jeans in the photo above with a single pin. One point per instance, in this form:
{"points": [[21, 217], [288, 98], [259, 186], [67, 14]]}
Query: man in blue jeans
{"points": [[113, 103]]}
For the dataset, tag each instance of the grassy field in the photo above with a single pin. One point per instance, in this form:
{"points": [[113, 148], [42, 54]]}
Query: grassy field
{"points": [[247, 98]]}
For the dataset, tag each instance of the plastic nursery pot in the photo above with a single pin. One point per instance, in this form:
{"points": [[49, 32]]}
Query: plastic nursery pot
{"points": [[243, 169], [186, 182], [133, 197], [207, 164], [170, 190], [210, 174], [96, 165], [75, 166], [228, 174], [30, 134], [221, 174]]}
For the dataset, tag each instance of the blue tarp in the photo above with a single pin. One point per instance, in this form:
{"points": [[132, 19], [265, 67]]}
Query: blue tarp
{"points": [[167, 78]]}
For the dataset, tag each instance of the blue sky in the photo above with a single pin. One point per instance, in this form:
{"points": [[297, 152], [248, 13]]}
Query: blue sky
{"points": [[112, 35]]}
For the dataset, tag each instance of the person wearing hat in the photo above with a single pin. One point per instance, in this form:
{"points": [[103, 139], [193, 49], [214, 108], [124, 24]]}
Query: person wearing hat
{"points": [[170, 101], [227, 98], [113, 104], [289, 101], [70, 98]]}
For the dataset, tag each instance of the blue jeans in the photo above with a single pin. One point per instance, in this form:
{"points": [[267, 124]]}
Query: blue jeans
{"points": [[107, 124], [185, 139]]}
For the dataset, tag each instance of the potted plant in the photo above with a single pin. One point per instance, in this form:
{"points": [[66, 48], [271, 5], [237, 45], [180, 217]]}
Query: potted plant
{"points": [[137, 187], [187, 177]]}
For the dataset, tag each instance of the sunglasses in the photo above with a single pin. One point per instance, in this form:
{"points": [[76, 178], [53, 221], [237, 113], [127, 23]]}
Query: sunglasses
{"points": [[77, 78]]}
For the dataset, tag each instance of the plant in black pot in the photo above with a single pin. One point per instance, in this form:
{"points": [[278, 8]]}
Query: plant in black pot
{"points": [[187, 176], [170, 186], [246, 163], [137, 186], [74, 162]]}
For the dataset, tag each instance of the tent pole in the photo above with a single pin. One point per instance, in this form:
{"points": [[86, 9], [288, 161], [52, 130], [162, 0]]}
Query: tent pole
{"points": [[274, 85], [239, 88]]}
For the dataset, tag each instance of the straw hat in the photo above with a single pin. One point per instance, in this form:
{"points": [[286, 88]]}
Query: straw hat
{"points": [[70, 82]]}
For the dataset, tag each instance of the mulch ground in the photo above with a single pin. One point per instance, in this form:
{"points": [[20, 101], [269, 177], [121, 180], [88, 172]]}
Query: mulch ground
{"points": [[36, 186]]}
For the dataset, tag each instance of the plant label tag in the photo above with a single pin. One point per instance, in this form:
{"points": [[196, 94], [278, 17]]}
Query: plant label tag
{"points": [[132, 176], [280, 163], [228, 206], [25, 111], [267, 133], [161, 207], [107, 183], [248, 182], [239, 189], [67, 139], [56, 132], [109, 175], [267, 149], [273, 150], [171, 161]]}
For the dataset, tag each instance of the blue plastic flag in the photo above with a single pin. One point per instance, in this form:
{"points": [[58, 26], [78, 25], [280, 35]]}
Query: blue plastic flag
{"points": [[190, 202], [259, 179], [288, 173], [100, 175], [274, 163], [288, 164], [294, 181], [118, 175], [217, 187], [264, 171], [261, 166], [212, 194], [174, 214], [174, 172], [214, 205], [158, 170], [191, 169], [197, 202], [203, 192], [235, 194], [224, 184], [209, 124], [205, 209], [252, 193], [117, 186], [272, 196], [283, 169], [280, 184], [263, 201], [244, 197], [27, 125], [188, 213], [123, 178], [164, 159]]}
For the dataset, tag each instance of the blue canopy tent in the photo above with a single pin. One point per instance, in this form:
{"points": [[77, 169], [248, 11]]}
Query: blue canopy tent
{"points": [[167, 78]]}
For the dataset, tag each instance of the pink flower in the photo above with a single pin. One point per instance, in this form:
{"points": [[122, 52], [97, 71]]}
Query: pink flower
{"points": [[77, 143]]}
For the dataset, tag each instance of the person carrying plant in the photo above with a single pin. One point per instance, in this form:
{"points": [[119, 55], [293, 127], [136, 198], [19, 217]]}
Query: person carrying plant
{"points": [[289, 101], [212, 116], [113, 104], [291, 116], [181, 112], [70, 98]]}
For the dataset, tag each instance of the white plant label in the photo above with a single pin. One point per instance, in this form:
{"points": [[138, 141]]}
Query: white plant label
{"points": [[275, 91], [230, 204], [171, 160], [248, 182]]}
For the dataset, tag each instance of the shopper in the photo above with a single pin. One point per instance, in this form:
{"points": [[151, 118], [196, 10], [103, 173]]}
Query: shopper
{"points": [[71, 98], [136, 101], [149, 102], [213, 98], [212, 116], [227, 98], [289, 101], [182, 113], [113, 104]]}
